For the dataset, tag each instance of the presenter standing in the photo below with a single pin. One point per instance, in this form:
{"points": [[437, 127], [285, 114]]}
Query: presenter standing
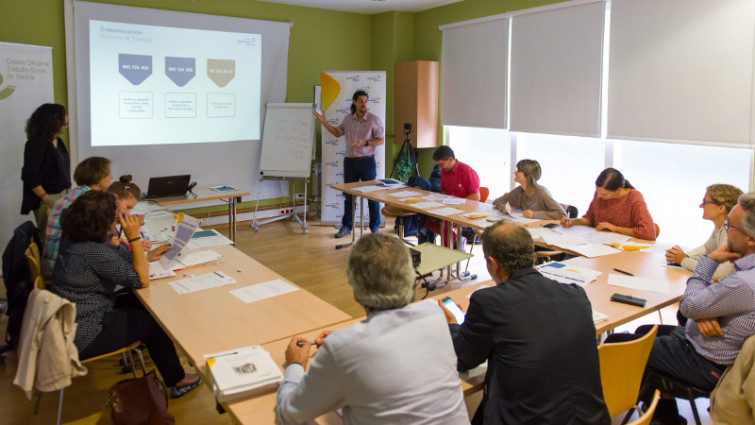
{"points": [[46, 172], [364, 133]]}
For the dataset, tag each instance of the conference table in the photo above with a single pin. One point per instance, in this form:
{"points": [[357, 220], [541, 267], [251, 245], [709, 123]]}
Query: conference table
{"points": [[213, 320], [205, 193], [261, 409]]}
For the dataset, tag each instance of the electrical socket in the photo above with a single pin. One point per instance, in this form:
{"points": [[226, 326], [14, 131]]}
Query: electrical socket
{"points": [[298, 196]]}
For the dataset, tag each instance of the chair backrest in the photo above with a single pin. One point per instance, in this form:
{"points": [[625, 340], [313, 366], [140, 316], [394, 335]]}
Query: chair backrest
{"points": [[648, 415], [484, 193], [39, 283], [657, 229], [34, 260], [621, 368]]}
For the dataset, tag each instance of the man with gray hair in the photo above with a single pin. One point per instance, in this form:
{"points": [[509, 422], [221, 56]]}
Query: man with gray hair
{"points": [[396, 366], [538, 337], [721, 316]]}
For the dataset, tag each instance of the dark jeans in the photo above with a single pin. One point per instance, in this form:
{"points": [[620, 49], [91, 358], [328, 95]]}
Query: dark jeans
{"points": [[672, 354], [355, 170], [130, 322]]}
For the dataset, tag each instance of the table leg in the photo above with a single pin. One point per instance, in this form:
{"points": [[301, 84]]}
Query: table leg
{"points": [[353, 227]]}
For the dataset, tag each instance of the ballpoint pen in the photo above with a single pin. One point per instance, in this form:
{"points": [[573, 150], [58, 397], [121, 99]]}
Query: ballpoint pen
{"points": [[303, 343]]}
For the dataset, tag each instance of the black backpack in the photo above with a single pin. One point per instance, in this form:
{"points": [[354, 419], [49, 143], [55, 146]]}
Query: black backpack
{"points": [[17, 278]]}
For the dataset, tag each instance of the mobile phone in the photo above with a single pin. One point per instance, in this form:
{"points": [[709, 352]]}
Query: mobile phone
{"points": [[454, 309]]}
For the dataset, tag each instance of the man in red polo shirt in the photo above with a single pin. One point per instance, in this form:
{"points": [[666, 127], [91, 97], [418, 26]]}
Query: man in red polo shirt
{"points": [[456, 179]]}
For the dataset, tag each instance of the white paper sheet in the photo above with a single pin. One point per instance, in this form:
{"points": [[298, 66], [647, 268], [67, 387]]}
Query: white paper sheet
{"points": [[184, 232], [591, 250], [156, 271], [198, 283], [641, 283], [447, 211], [436, 197], [427, 205], [454, 201], [264, 290], [365, 189], [195, 258], [405, 194], [208, 241], [606, 237]]}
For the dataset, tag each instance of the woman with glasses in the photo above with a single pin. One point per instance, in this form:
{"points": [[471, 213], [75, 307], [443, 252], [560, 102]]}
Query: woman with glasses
{"points": [[718, 201], [534, 200]]}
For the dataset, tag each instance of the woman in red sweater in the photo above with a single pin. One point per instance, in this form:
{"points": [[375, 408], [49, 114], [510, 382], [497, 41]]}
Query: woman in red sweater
{"points": [[617, 207]]}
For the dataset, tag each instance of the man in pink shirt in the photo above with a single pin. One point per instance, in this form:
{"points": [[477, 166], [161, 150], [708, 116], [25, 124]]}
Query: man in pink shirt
{"points": [[456, 179], [364, 133]]}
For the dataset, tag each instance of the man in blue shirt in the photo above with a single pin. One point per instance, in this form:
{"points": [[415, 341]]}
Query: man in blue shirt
{"points": [[722, 316]]}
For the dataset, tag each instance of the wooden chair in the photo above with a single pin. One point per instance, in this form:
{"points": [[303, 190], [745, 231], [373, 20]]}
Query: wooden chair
{"points": [[126, 352], [648, 415], [621, 368], [35, 261]]}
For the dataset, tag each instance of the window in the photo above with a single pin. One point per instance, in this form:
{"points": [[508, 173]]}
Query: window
{"points": [[672, 178], [570, 165], [488, 151]]}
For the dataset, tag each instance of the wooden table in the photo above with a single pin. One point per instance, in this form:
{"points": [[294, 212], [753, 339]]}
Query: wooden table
{"points": [[213, 320], [204, 193], [261, 409]]}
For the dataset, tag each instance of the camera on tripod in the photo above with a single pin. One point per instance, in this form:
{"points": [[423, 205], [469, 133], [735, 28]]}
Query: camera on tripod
{"points": [[407, 128]]}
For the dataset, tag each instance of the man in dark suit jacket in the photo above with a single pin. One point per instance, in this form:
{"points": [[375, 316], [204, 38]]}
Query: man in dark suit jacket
{"points": [[537, 336]]}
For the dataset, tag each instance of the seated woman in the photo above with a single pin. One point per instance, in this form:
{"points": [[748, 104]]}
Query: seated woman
{"points": [[617, 207], [92, 173], [127, 195], [87, 272], [718, 201], [534, 200]]}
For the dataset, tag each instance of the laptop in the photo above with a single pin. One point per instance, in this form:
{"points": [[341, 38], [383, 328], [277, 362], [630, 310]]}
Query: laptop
{"points": [[160, 187]]}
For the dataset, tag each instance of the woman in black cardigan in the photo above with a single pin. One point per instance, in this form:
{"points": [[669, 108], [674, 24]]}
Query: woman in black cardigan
{"points": [[47, 167]]}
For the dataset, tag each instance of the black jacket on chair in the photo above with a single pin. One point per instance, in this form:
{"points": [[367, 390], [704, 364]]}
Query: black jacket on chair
{"points": [[17, 278]]}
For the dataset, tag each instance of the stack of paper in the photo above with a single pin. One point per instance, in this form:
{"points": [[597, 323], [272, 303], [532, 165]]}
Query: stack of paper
{"points": [[242, 372], [598, 316], [567, 273]]}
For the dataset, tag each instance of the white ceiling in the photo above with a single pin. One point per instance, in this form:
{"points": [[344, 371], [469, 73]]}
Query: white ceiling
{"points": [[369, 7]]}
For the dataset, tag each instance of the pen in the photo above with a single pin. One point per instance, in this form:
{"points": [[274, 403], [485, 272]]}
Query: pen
{"points": [[623, 272], [612, 246], [222, 355], [303, 343]]}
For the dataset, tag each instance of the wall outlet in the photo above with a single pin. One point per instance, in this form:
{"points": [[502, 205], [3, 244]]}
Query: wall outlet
{"points": [[298, 196]]}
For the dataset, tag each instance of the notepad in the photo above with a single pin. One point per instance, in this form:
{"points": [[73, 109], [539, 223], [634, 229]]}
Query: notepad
{"points": [[198, 283], [242, 372]]}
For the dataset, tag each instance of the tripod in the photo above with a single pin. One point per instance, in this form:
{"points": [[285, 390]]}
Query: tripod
{"points": [[406, 149]]}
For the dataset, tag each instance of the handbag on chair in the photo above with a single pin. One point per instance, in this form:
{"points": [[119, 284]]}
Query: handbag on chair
{"points": [[140, 401]]}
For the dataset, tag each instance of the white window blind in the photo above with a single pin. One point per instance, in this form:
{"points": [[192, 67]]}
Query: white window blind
{"points": [[556, 58], [473, 74], [681, 70]]}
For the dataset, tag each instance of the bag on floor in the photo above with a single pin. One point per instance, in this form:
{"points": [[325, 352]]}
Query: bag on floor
{"points": [[140, 401]]}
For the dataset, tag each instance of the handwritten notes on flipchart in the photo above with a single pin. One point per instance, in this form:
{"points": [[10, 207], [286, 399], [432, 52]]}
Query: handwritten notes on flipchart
{"points": [[287, 140]]}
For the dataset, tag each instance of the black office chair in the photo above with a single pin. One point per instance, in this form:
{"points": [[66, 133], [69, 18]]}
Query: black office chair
{"points": [[674, 387]]}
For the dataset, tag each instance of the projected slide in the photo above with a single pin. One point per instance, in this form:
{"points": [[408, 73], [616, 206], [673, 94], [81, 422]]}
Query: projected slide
{"points": [[162, 85]]}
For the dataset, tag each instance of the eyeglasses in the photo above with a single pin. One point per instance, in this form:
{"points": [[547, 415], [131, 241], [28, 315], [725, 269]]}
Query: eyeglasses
{"points": [[707, 202], [728, 225]]}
